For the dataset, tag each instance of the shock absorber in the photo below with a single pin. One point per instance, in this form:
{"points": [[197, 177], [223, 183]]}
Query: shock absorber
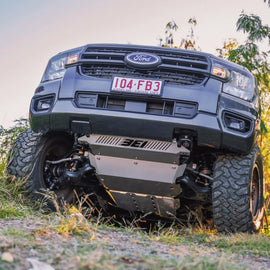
{"points": [[204, 166]]}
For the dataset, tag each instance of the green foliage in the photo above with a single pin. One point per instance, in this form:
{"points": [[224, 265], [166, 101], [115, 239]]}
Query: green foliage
{"points": [[7, 136], [12, 202], [170, 28], [228, 46], [249, 54], [188, 43], [253, 27]]}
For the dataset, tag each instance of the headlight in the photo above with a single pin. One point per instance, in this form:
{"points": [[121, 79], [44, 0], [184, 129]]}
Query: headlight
{"points": [[56, 66], [240, 85], [236, 83]]}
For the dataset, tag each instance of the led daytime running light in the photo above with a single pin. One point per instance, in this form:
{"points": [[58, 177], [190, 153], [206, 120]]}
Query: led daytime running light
{"points": [[219, 72], [72, 59]]}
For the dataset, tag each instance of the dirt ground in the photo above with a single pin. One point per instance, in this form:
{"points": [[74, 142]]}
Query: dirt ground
{"points": [[31, 244]]}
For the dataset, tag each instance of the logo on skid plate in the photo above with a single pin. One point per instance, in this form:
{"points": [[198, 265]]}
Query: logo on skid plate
{"points": [[133, 143], [142, 60]]}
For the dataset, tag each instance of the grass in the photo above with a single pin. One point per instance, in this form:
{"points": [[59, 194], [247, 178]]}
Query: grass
{"points": [[256, 244], [13, 203], [68, 240], [244, 244], [91, 252]]}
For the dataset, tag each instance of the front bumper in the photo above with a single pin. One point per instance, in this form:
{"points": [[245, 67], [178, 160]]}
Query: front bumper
{"points": [[207, 128]]}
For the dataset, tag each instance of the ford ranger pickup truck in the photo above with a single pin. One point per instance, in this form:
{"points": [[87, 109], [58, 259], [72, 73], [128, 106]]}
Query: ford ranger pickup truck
{"points": [[148, 130]]}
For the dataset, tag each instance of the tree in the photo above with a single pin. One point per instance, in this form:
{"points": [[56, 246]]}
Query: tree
{"points": [[188, 43], [228, 46], [171, 27]]}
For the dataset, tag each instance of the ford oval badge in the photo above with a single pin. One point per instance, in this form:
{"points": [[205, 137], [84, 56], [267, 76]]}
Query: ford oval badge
{"points": [[142, 60]]}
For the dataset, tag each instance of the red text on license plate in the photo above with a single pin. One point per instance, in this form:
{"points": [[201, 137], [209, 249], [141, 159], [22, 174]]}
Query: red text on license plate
{"points": [[139, 86]]}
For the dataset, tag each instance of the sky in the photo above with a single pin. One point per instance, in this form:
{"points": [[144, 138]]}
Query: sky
{"points": [[32, 31]]}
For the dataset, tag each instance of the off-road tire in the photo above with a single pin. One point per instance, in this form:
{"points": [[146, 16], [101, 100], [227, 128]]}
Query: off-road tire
{"points": [[26, 163], [238, 192]]}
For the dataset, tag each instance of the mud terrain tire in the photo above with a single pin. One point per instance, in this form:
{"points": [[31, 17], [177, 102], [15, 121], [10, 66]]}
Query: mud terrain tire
{"points": [[238, 192], [27, 159]]}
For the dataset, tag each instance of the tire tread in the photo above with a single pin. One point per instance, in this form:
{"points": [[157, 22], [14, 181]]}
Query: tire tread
{"points": [[231, 192]]}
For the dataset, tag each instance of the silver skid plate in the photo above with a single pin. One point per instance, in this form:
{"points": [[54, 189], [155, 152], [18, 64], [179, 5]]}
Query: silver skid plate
{"points": [[133, 148], [139, 174]]}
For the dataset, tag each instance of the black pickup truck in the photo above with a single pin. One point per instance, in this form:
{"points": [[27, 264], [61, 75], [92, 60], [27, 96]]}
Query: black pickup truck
{"points": [[148, 130]]}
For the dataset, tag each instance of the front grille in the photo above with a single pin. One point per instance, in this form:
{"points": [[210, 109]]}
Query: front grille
{"points": [[171, 77], [178, 66], [180, 109], [120, 104], [160, 52]]}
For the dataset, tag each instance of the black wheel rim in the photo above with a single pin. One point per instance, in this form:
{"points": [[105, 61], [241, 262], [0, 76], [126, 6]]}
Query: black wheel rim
{"points": [[55, 151]]}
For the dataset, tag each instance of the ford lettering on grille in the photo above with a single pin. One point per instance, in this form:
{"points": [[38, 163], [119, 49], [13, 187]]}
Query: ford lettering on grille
{"points": [[142, 60]]}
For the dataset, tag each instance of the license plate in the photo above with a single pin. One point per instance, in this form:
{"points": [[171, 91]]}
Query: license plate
{"points": [[137, 86]]}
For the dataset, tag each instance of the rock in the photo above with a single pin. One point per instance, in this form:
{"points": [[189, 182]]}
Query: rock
{"points": [[38, 265], [7, 257]]}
